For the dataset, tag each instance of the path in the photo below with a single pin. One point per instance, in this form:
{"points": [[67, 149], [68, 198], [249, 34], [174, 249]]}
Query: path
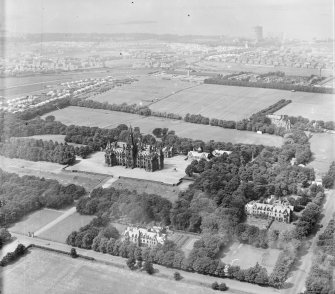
{"points": [[299, 276], [56, 221]]}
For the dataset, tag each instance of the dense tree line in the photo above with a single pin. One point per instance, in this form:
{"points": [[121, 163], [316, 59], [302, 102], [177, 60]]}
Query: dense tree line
{"points": [[320, 277], [5, 236], [10, 257], [138, 208], [38, 150], [22, 195], [273, 85], [43, 109], [328, 181], [98, 227]]}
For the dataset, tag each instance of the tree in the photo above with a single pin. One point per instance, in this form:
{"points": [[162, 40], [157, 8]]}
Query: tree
{"points": [[177, 276], [5, 236], [223, 287], [215, 286], [73, 253], [148, 267], [131, 263]]}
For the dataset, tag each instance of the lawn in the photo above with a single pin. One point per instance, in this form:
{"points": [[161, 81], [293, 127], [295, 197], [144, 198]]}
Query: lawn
{"points": [[143, 91], [258, 222], [41, 272], [247, 256], [142, 186], [49, 170], [64, 228], [174, 169], [183, 241], [111, 119], [35, 221], [322, 146]]}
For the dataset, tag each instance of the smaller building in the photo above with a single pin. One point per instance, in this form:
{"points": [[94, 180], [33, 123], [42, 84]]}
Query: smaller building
{"points": [[169, 151], [196, 155], [149, 237], [278, 210], [218, 153]]}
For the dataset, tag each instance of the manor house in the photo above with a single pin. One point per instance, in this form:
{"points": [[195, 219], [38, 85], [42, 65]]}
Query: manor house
{"points": [[149, 237], [280, 121], [278, 210]]}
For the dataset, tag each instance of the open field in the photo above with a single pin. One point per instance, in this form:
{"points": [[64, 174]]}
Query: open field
{"points": [[236, 103], [247, 256], [143, 91], [311, 105], [60, 231], [216, 101], [35, 221], [279, 226], [174, 169], [49, 170], [48, 272], [322, 146], [110, 119], [141, 186], [183, 241]]}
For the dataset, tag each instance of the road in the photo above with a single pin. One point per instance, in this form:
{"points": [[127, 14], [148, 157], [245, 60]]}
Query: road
{"points": [[298, 277]]}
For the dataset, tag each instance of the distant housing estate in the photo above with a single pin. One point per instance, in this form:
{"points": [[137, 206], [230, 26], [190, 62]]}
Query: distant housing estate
{"points": [[149, 237], [278, 210]]}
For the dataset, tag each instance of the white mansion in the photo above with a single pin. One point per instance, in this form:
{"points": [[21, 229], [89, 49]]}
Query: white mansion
{"points": [[279, 210], [149, 237]]}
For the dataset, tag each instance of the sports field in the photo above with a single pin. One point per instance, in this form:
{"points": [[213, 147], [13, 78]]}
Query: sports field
{"points": [[111, 119], [60, 231], [174, 169], [35, 221], [247, 256], [322, 146], [143, 91], [41, 272]]}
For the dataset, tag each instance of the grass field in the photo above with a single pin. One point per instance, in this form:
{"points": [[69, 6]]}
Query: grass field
{"points": [[64, 228], [35, 221], [110, 119], [258, 222], [183, 241], [247, 256], [174, 169], [216, 101], [322, 146], [141, 186], [143, 91], [49, 170], [311, 105], [42, 272]]}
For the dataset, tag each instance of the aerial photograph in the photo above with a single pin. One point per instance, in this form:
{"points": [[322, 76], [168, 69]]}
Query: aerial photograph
{"points": [[167, 146]]}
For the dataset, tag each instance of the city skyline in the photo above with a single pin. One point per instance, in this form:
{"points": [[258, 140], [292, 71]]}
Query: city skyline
{"points": [[296, 19]]}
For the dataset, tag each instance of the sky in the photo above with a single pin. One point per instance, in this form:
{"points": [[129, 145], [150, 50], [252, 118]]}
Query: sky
{"points": [[304, 19]]}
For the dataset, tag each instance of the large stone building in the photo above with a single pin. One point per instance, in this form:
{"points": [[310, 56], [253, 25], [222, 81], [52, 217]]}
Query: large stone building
{"points": [[149, 237], [134, 155], [278, 210], [280, 121]]}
